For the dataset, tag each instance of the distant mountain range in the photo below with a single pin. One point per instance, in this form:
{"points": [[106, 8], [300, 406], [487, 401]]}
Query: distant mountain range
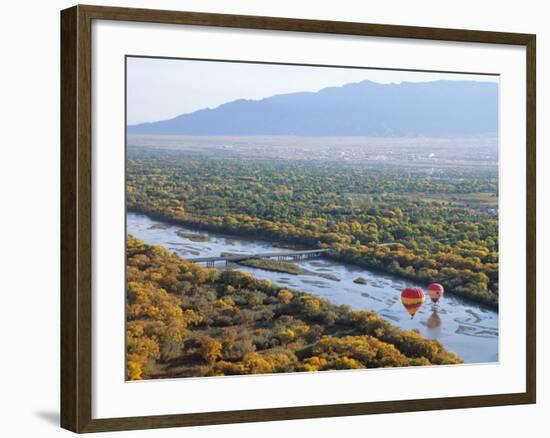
{"points": [[408, 109]]}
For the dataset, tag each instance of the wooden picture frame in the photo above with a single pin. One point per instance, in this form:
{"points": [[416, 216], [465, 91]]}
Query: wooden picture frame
{"points": [[76, 217]]}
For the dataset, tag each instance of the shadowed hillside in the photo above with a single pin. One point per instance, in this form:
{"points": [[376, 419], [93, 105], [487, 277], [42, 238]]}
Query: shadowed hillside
{"points": [[408, 109]]}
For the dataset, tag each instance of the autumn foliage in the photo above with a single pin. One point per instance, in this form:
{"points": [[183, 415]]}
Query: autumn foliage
{"points": [[426, 225], [184, 320]]}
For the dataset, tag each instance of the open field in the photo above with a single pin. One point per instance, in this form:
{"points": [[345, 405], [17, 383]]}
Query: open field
{"points": [[410, 152]]}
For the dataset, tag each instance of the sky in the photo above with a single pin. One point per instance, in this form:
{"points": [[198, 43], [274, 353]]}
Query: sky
{"points": [[159, 89]]}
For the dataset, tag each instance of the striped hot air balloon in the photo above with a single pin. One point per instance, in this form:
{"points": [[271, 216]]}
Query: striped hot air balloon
{"points": [[412, 298], [435, 291]]}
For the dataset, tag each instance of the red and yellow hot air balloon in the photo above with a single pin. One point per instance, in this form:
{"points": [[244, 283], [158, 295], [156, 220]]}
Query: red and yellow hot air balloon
{"points": [[412, 298], [435, 291]]}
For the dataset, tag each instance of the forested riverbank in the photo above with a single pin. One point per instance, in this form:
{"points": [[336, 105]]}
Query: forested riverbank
{"points": [[419, 225], [184, 320]]}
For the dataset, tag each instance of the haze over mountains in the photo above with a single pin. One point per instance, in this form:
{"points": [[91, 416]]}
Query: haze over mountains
{"points": [[407, 109]]}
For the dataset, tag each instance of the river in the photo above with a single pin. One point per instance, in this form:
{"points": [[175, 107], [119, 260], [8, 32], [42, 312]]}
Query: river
{"points": [[467, 328]]}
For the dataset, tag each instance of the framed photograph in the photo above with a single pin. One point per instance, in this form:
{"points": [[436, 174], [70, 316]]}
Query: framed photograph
{"points": [[270, 218]]}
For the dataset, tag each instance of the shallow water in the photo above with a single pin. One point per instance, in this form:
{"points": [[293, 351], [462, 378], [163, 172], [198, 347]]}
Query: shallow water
{"points": [[469, 329]]}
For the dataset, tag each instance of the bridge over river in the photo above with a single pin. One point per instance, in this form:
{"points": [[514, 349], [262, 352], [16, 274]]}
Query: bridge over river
{"points": [[287, 255]]}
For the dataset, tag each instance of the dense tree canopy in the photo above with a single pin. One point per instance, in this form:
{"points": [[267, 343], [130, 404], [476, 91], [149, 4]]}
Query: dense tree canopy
{"points": [[425, 224], [184, 320]]}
